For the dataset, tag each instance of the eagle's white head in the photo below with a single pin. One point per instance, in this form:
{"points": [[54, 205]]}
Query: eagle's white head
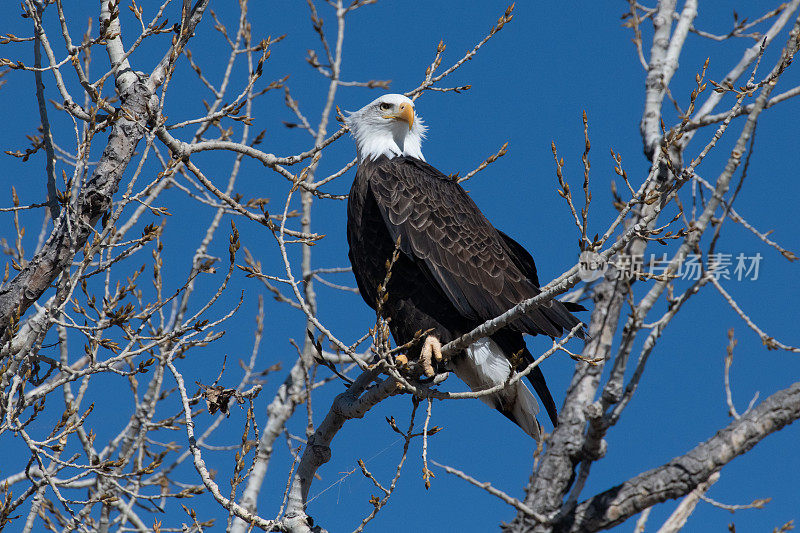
{"points": [[387, 126]]}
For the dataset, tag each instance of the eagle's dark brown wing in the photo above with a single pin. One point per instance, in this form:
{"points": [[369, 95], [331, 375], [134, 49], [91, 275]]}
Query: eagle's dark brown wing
{"points": [[441, 228]]}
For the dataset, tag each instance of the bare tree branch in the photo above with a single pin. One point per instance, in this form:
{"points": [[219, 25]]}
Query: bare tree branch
{"points": [[682, 474]]}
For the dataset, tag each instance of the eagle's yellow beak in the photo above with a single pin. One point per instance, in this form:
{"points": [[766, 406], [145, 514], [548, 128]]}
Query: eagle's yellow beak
{"points": [[406, 114]]}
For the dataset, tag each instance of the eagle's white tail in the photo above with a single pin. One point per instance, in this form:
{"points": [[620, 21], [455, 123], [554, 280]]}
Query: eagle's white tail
{"points": [[484, 366]]}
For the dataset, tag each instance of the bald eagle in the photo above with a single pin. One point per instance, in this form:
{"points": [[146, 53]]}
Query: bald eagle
{"points": [[454, 270]]}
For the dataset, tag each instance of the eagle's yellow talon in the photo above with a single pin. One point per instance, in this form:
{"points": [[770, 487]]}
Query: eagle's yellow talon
{"points": [[432, 347]]}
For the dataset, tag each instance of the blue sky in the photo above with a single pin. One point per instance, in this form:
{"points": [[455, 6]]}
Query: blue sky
{"points": [[530, 85]]}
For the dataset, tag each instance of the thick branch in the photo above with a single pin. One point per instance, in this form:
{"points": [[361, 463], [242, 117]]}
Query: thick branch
{"points": [[682, 474], [352, 403], [73, 227]]}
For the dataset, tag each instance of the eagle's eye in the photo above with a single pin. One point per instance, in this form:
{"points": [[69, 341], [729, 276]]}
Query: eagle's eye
{"points": [[385, 106]]}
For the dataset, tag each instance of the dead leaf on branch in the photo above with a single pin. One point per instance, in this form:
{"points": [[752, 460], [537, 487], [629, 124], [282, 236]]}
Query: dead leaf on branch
{"points": [[218, 398]]}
